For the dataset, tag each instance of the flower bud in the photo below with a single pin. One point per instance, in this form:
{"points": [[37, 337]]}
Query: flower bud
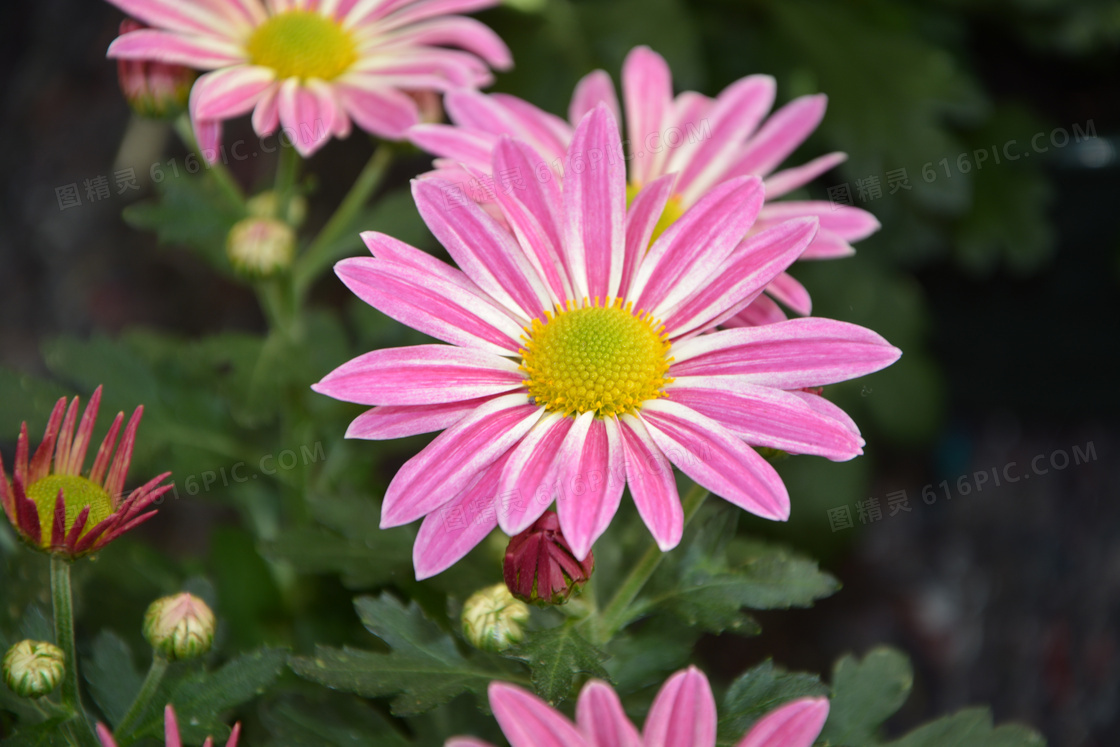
{"points": [[180, 626], [154, 89], [33, 668], [261, 246], [267, 205], [539, 566], [493, 620]]}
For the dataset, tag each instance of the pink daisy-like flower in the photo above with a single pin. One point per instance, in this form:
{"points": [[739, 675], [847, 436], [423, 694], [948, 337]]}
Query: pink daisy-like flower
{"points": [[703, 141], [58, 509], [683, 715], [576, 364], [313, 66], [171, 736]]}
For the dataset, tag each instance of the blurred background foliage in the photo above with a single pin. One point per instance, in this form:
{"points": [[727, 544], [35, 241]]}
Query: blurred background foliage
{"points": [[998, 280]]}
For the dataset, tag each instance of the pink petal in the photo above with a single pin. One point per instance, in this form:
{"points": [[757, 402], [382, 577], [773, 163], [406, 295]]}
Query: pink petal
{"points": [[381, 111], [176, 15], [105, 736], [786, 289], [484, 250], [527, 721], [85, 434], [308, 112], [208, 133], [171, 728], [530, 476], [468, 146], [764, 416], [421, 375], [454, 31], [234, 735], [690, 116], [850, 223], [652, 484], [399, 13], [592, 477], [386, 247], [430, 304], [40, 464], [594, 88], [199, 52], [114, 482], [231, 92], [828, 409], [600, 717], [641, 221], [455, 457], [780, 136], [595, 206], [500, 115], [466, 742], [787, 180], [795, 724], [647, 92], [795, 354], [683, 714], [452, 67], [266, 117], [696, 245], [828, 245], [761, 311], [716, 458], [392, 421], [448, 534]]}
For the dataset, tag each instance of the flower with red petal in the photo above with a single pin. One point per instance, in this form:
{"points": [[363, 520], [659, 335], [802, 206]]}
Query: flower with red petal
{"points": [[53, 506], [540, 567]]}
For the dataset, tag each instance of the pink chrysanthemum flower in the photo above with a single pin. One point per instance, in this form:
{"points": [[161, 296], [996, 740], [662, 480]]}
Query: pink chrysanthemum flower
{"points": [[171, 736], [312, 66], [683, 715], [692, 141], [59, 510], [576, 364]]}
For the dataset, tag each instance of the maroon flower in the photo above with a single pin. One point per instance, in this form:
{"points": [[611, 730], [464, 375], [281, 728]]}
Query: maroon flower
{"points": [[540, 567]]}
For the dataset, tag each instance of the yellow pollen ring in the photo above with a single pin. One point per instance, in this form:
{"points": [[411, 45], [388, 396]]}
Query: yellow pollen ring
{"points": [[605, 359], [303, 44], [77, 493]]}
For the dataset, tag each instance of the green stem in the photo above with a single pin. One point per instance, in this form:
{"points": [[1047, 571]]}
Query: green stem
{"points": [[222, 177], [148, 691], [321, 252], [63, 600], [616, 615]]}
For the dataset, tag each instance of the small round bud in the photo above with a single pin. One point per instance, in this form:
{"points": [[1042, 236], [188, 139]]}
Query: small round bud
{"points": [[180, 627], [33, 668], [267, 205], [540, 567], [493, 620], [261, 246], [154, 89]]}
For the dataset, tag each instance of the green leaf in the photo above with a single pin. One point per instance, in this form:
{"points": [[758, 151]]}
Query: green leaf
{"points": [[555, 657], [422, 670], [330, 722], [865, 693], [50, 733], [971, 727], [112, 676], [759, 691]]}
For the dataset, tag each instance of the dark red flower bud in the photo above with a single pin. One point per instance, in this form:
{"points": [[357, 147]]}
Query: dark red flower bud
{"points": [[154, 89], [539, 565]]}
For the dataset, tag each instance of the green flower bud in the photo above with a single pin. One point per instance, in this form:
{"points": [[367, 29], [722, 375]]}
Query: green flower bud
{"points": [[180, 627], [34, 668], [493, 620], [267, 205], [260, 247]]}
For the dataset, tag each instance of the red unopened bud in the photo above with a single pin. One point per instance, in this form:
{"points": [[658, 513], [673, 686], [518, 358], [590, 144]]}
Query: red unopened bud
{"points": [[154, 89], [539, 565]]}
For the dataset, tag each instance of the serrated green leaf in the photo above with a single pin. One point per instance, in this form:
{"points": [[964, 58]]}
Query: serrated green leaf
{"points": [[555, 657], [422, 670], [334, 722], [971, 727], [865, 693], [759, 691], [112, 676]]}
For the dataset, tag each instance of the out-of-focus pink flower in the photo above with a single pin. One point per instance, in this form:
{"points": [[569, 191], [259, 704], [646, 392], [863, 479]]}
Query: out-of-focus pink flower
{"points": [[170, 732], [153, 89]]}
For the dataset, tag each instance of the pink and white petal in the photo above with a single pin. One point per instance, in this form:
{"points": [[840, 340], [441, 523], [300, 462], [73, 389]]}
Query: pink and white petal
{"points": [[600, 717], [780, 136], [753, 265], [795, 724], [198, 52], [266, 117], [307, 110], [484, 249], [386, 247], [547, 126], [231, 92], [421, 375], [454, 31], [592, 478], [470, 147], [786, 289], [594, 88], [529, 207], [641, 221], [794, 354], [377, 109], [250, 12], [696, 245], [453, 67], [530, 475], [595, 206], [399, 13], [787, 180], [466, 742], [399, 421], [652, 484], [732, 118], [827, 408], [764, 416], [762, 310], [527, 721], [431, 305], [448, 534], [647, 93], [828, 245], [690, 115], [456, 457], [175, 15], [850, 223], [716, 459], [683, 714], [508, 115]]}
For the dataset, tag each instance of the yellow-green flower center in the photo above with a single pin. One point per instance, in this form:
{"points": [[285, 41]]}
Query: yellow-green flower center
{"points": [[673, 210], [303, 44], [601, 359], [77, 493]]}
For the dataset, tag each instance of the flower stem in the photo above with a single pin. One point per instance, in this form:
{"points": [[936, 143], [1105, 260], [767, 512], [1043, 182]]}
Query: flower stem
{"points": [[144, 697], [323, 250], [616, 615], [287, 170], [63, 601]]}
